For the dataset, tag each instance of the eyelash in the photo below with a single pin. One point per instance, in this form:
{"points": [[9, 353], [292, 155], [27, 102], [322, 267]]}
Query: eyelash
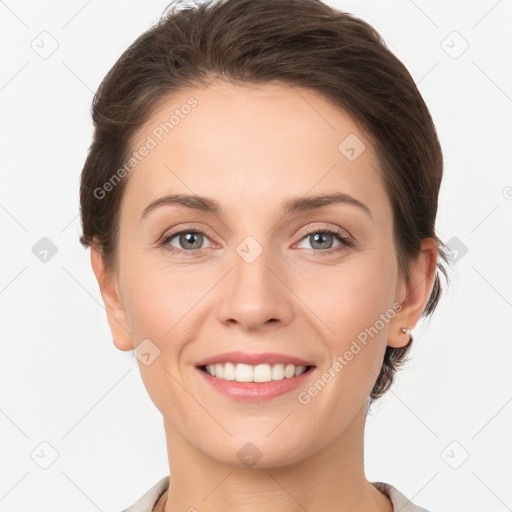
{"points": [[345, 241]]}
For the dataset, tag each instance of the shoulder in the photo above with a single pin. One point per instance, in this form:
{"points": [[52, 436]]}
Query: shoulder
{"points": [[400, 501], [148, 500]]}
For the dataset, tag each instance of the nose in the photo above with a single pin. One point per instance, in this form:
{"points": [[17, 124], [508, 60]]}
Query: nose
{"points": [[255, 294]]}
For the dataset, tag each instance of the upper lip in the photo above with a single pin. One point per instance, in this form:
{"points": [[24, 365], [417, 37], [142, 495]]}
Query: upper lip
{"points": [[254, 359]]}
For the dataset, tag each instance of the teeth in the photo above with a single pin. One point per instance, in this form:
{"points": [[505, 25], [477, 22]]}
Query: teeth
{"points": [[229, 371], [259, 373], [244, 373], [278, 371]]}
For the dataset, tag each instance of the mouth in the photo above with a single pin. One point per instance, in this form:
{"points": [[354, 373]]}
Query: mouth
{"points": [[241, 372], [243, 376]]}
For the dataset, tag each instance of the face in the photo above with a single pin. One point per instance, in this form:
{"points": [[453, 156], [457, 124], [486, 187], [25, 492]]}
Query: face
{"points": [[268, 274]]}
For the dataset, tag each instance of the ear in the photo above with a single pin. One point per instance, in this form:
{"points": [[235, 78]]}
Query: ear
{"points": [[116, 314], [417, 292]]}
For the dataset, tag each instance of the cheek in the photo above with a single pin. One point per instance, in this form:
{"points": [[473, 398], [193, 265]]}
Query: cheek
{"points": [[160, 307], [164, 303], [357, 308], [352, 297], [150, 302], [156, 293]]}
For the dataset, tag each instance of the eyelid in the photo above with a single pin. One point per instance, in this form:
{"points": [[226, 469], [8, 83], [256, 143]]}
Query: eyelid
{"points": [[302, 233], [326, 227], [185, 227]]}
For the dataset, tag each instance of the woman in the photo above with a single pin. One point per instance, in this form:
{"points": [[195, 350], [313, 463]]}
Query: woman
{"points": [[256, 132]]}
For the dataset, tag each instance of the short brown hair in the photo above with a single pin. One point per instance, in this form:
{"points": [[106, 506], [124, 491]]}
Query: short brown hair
{"points": [[299, 42]]}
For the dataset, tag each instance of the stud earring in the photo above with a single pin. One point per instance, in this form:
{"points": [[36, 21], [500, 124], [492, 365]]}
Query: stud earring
{"points": [[407, 331]]}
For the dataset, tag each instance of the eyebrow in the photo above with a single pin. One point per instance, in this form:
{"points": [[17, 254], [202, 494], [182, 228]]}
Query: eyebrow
{"points": [[293, 205]]}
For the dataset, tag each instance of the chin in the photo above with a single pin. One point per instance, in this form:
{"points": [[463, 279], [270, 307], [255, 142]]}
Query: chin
{"points": [[258, 451]]}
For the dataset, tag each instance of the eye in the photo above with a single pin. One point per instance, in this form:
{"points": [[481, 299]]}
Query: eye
{"points": [[189, 241], [321, 240]]}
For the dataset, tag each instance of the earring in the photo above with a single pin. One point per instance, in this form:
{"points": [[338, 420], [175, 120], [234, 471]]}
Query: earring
{"points": [[407, 331]]}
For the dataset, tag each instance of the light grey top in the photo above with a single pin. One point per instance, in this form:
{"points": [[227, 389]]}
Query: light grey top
{"points": [[148, 500]]}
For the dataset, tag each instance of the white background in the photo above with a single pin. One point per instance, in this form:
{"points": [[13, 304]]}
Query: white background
{"points": [[63, 382]]}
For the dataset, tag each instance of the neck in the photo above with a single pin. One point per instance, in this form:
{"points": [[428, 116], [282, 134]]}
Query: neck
{"points": [[332, 480]]}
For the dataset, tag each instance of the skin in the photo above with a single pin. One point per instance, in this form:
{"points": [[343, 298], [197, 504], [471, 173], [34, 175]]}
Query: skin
{"points": [[252, 147]]}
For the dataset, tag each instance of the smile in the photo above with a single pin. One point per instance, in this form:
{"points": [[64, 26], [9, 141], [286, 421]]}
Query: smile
{"points": [[254, 373], [240, 382]]}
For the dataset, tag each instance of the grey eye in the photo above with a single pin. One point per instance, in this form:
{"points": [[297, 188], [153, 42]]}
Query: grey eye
{"points": [[321, 240], [188, 240]]}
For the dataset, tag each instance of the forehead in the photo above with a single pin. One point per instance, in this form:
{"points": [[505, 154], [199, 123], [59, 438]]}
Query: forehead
{"points": [[245, 143]]}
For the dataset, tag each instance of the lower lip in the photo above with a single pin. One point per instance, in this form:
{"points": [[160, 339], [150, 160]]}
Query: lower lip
{"points": [[256, 390]]}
